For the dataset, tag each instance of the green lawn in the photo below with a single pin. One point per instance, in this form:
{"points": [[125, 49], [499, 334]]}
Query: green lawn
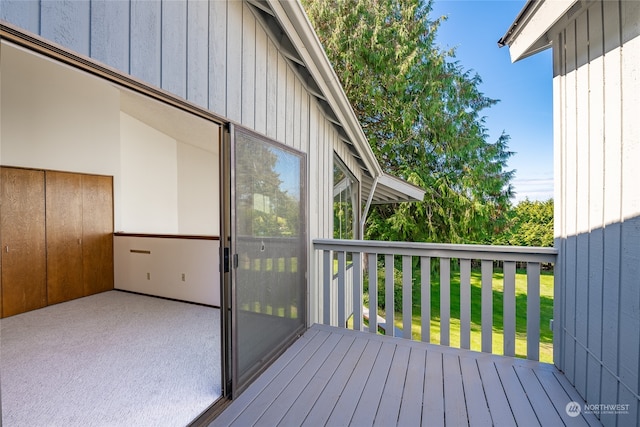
{"points": [[546, 309]]}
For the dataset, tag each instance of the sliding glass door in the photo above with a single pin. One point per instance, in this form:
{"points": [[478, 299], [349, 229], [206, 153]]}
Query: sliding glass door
{"points": [[267, 258]]}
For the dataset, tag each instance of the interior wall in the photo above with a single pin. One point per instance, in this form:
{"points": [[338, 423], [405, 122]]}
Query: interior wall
{"points": [[149, 171], [50, 122], [164, 161], [198, 190]]}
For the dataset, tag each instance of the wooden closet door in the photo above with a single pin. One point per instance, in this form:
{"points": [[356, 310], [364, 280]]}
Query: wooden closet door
{"points": [[22, 218], [97, 228], [64, 236]]}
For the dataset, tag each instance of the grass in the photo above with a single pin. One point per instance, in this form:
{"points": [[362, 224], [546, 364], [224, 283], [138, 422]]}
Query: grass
{"points": [[546, 309]]}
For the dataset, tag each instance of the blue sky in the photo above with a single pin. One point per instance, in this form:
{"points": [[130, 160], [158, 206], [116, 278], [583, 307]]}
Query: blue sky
{"points": [[525, 110]]}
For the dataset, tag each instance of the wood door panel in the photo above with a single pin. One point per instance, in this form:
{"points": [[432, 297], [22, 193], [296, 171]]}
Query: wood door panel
{"points": [[64, 236], [22, 216], [97, 226]]}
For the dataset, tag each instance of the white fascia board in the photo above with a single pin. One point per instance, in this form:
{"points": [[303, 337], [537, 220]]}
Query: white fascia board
{"points": [[294, 21], [529, 33], [400, 186]]}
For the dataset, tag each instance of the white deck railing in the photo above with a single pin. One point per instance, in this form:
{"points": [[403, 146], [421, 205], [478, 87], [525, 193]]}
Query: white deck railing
{"points": [[335, 287]]}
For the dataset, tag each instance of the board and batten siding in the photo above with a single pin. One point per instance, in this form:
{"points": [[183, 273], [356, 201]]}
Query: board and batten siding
{"points": [[217, 55], [597, 214]]}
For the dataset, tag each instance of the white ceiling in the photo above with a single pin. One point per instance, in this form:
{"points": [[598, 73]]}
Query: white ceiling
{"points": [[171, 121], [178, 124]]}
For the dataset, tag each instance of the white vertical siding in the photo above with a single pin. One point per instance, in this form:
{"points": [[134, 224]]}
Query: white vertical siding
{"points": [[197, 52], [218, 57], [145, 47], [174, 47], [596, 203], [23, 13], [597, 105], [262, 51], [630, 242], [248, 71], [233, 95], [110, 33], [55, 19]]}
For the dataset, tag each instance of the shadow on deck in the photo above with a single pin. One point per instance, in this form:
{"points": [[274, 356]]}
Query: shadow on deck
{"points": [[333, 376]]}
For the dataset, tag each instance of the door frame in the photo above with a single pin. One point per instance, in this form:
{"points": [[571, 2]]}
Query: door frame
{"points": [[41, 47]]}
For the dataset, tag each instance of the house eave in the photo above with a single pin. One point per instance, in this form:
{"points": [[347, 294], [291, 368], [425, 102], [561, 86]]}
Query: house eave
{"points": [[529, 32], [295, 23], [390, 189]]}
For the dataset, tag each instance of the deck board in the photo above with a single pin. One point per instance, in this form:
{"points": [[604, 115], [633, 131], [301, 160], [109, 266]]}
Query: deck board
{"points": [[433, 408], [308, 397], [496, 399], [327, 400], [392, 393], [477, 407], [455, 409], [412, 395], [518, 400], [335, 376], [542, 406], [282, 403], [346, 405], [368, 406]]}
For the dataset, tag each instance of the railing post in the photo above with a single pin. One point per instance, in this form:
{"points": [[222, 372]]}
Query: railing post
{"points": [[388, 295], [445, 299], [487, 305], [327, 278], [407, 298], [533, 310], [465, 303], [509, 309], [342, 269], [425, 298], [357, 291], [373, 293]]}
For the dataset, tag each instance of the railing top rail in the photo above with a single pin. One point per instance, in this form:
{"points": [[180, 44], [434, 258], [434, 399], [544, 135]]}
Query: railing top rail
{"points": [[441, 250]]}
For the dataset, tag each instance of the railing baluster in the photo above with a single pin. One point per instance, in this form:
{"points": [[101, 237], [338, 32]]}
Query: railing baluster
{"points": [[445, 299], [509, 309], [357, 291], [286, 261], [407, 299], [425, 295], [388, 295], [342, 269], [373, 293], [487, 305], [465, 303], [533, 310], [326, 283]]}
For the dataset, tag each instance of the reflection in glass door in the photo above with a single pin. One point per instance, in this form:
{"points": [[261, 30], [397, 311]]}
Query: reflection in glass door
{"points": [[268, 252]]}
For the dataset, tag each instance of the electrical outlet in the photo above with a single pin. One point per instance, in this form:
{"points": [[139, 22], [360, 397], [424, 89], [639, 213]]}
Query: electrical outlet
{"points": [[148, 276], [183, 277]]}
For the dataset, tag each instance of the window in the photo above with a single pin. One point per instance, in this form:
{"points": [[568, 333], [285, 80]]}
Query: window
{"points": [[345, 202]]}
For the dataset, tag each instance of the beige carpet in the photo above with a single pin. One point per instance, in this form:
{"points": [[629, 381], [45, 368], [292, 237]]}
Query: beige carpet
{"points": [[112, 359]]}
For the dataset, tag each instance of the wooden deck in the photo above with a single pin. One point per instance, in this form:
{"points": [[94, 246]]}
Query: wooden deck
{"points": [[333, 376]]}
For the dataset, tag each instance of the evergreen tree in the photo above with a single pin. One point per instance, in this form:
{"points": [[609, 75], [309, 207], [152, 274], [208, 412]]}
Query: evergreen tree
{"points": [[530, 224], [421, 113]]}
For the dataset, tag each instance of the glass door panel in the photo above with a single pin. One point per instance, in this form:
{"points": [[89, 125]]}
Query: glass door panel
{"points": [[269, 252]]}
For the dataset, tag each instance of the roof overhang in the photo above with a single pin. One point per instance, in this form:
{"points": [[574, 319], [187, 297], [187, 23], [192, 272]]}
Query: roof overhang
{"points": [[529, 33], [311, 55], [389, 189]]}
